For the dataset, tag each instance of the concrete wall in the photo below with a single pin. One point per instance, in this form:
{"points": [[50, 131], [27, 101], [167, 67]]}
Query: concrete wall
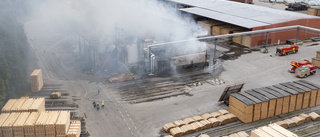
{"points": [[283, 36]]}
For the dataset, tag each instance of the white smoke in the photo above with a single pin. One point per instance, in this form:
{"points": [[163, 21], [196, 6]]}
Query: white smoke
{"points": [[108, 20]]}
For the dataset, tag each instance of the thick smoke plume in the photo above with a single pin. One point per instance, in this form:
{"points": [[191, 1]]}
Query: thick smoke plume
{"points": [[109, 20]]}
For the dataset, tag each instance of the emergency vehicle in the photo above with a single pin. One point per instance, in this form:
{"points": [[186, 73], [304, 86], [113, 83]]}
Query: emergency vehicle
{"points": [[305, 71], [286, 50], [296, 65]]}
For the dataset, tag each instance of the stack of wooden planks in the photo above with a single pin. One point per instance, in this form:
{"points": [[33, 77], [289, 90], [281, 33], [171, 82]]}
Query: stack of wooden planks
{"points": [[51, 123], [63, 123], [260, 103], [30, 123], [272, 130], [6, 127], [24, 105], [36, 80], [75, 129], [316, 60], [198, 123], [38, 105], [18, 125], [7, 107], [3, 118], [40, 125]]}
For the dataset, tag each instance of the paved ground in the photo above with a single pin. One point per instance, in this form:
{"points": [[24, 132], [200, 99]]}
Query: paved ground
{"points": [[120, 118]]}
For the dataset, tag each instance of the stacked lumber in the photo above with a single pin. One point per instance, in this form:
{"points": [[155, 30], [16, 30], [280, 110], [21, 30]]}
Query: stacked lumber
{"points": [[307, 93], [242, 107], [293, 96], [282, 131], [197, 118], [18, 105], [215, 114], [27, 104], [286, 97], [246, 41], [300, 95], [36, 80], [272, 100], [40, 125], [204, 135], [176, 132], [272, 130], [74, 129], [7, 107], [306, 117], [51, 123], [30, 123], [314, 116], [168, 126], [214, 122], [256, 106], [18, 125], [188, 120], [313, 11], [314, 92], [63, 123], [313, 85], [315, 62], [168, 136], [206, 116], [290, 123], [264, 103], [282, 124], [279, 104], [298, 120], [179, 123], [206, 124], [38, 105], [6, 127], [197, 123], [3, 118]]}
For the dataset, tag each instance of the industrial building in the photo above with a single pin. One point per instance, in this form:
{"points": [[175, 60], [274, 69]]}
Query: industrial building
{"points": [[221, 17]]}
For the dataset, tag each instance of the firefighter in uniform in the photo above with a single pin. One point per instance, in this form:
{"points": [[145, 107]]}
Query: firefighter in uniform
{"points": [[102, 104]]}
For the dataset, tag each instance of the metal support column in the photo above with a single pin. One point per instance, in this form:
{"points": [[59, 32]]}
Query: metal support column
{"points": [[297, 35], [214, 53], [267, 39]]}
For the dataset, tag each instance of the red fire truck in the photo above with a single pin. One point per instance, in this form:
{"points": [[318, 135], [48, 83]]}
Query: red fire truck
{"points": [[305, 71], [296, 65], [286, 50]]}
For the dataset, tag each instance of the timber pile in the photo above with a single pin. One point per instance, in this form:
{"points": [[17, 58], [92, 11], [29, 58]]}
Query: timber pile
{"points": [[3, 118], [316, 61], [24, 105], [198, 123], [38, 105], [40, 125], [260, 103], [272, 130], [282, 124], [29, 124], [51, 123], [36, 80], [63, 123], [242, 107], [7, 125], [7, 107], [74, 129], [18, 105], [27, 104], [204, 135], [18, 125], [314, 116]]}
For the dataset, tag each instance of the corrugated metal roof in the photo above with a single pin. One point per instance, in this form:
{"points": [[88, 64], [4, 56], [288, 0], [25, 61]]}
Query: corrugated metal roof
{"points": [[243, 22], [248, 15]]}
